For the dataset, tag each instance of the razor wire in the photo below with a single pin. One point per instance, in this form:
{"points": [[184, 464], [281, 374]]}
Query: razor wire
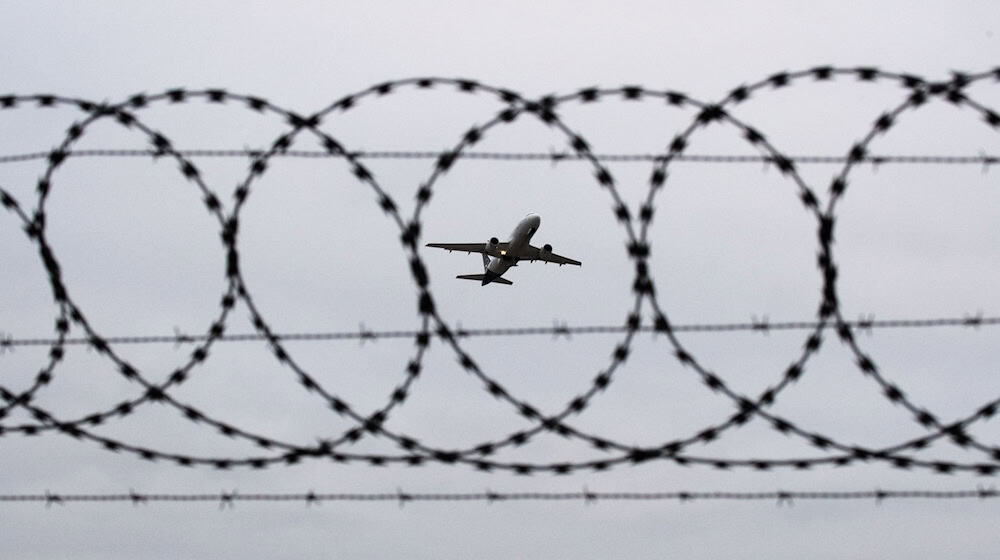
{"points": [[634, 224]]}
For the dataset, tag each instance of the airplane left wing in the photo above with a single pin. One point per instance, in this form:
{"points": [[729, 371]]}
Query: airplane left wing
{"points": [[467, 247], [501, 248], [532, 253]]}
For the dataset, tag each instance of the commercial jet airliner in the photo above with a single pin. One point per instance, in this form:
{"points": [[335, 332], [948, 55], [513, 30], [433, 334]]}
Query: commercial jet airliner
{"points": [[498, 257]]}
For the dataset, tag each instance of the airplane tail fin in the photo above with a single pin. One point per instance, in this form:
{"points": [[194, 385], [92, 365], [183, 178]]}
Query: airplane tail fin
{"points": [[479, 277]]}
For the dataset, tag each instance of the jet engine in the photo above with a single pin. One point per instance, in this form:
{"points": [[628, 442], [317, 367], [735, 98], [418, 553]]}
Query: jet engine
{"points": [[545, 251], [492, 246]]}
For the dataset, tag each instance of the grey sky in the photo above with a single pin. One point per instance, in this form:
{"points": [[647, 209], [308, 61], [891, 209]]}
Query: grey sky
{"points": [[140, 255]]}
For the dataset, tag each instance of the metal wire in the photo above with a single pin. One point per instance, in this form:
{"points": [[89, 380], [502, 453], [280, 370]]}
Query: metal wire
{"points": [[228, 499], [8, 342], [511, 106], [554, 157]]}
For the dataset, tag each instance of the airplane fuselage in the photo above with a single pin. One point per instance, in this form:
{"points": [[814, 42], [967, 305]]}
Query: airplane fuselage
{"points": [[519, 238]]}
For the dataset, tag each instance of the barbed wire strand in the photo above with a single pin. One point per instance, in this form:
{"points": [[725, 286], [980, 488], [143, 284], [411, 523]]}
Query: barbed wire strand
{"points": [[553, 157], [8, 341], [228, 499]]}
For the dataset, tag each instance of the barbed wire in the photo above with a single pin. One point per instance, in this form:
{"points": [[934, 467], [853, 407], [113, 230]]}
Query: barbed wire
{"points": [[634, 224], [554, 157], [229, 499], [558, 329]]}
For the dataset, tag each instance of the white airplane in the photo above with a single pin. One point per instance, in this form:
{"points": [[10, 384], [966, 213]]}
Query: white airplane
{"points": [[498, 257]]}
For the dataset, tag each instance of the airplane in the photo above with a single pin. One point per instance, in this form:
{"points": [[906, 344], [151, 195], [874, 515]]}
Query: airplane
{"points": [[498, 257]]}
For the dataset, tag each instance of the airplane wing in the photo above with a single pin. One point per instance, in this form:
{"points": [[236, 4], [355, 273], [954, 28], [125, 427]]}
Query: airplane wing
{"points": [[529, 253], [532, 253], [471, 248]]}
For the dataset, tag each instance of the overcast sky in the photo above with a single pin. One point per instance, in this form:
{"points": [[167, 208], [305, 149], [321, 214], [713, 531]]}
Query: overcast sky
{"points": [[730, 242]]}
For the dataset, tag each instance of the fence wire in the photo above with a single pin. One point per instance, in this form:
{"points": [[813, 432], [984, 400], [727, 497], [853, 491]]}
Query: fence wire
{"points": [[916, 93], [558, 329], [986, 161], [229, 499]]}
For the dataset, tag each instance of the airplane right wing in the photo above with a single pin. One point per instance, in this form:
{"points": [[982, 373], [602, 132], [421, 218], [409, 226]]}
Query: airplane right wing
{"points": [[532, 253]]}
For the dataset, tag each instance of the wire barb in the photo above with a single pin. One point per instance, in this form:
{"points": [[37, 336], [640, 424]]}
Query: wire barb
{"points": [[227, 501]]}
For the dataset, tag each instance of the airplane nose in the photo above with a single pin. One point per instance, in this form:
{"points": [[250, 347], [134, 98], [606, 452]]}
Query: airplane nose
{"points": [[536, 220]]}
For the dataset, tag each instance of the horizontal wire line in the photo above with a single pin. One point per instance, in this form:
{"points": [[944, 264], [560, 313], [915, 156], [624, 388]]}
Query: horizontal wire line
{"points": [[557, 330], [488, 496], [553, 157]]}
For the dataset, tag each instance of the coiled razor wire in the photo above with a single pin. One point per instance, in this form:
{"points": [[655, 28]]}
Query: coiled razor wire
{"points": [[634, 224]]}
